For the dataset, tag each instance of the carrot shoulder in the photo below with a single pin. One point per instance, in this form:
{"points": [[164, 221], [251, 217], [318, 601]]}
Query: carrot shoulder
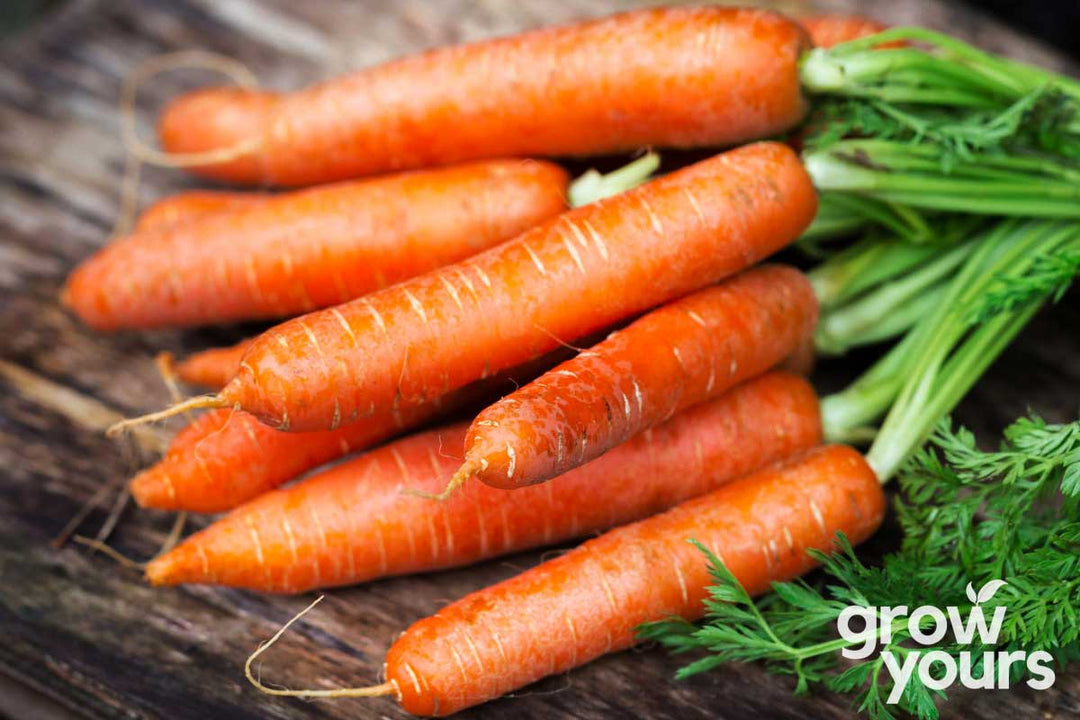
{"points": [[581, 272], [683, 353], [353, 523], [683, 77], [588, 602], [310, 249]]}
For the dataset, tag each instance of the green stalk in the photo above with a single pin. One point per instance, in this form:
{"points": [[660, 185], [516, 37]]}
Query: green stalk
{"points": [[593, 186], [951, 73], [961, 372], [873, 261], [899, 320], [1023, 195], [885, 314], [925, 375], [846, 416]]}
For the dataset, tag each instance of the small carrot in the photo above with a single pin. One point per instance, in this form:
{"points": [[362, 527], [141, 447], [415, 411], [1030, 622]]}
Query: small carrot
{"points": [[310, 249], [581, 272], [588, 602], [680, 77], [227, 457], [352, 523], [191, 204], [683, 353], [213, 368]]}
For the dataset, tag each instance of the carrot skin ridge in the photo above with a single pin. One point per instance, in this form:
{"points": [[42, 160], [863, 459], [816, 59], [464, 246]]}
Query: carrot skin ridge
{"points": [[675, 77], [683, 353], [296, 252], [352, 523], [588, 602], [563, 279]]}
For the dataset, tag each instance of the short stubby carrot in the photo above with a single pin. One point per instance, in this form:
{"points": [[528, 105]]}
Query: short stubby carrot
{"points": [[191, 204], [683, 353], [213, 368], [353, 522], [581, 272], [227, 457], [310, 249], [676, 77]]}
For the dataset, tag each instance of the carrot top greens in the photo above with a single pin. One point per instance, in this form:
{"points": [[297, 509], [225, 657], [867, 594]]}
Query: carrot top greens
{"points": [[970, 518]]}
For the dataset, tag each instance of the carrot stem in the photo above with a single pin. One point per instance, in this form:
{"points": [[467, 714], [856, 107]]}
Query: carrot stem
{"points": [[593, 186]]}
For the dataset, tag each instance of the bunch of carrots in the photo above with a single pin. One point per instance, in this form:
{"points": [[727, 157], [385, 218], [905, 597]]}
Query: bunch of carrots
{"points": [[432, 266]]}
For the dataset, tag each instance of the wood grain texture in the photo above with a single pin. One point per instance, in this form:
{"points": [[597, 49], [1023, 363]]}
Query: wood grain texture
{"points": [[79, 628]]}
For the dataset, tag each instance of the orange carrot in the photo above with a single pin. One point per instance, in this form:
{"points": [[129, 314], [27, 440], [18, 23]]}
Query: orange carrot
{"points": [[191, 204], [590, 601], [228, 457], [583, 271], [828, 30], [225, 458], [213, 368], [352, 523], [681, 77], [311, 249], [686, 352]]}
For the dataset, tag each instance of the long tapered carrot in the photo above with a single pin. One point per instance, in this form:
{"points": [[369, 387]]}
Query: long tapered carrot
{"points": [[588, 602], [227, 457], [352, 523], [583, 271], [311, 249], [213, 368], [674, 357], [191, 204], [678, 77]]}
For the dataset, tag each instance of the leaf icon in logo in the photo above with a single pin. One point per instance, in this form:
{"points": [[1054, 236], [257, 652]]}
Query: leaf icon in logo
{"points": [[985, 592]]}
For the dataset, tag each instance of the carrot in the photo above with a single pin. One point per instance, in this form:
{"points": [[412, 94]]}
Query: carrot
{"points": [[311, 249], [680, 77], [686, 352], [590, 601], [828, 30], [227, 457], [583, 271], [224, 458], [352, 523], [191, 204], [213, 368]]}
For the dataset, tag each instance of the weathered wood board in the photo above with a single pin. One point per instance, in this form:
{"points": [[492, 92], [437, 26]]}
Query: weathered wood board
{"points": [[87, 633]]}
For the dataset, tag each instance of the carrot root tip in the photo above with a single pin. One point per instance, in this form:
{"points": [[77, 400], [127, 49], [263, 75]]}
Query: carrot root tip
{"points": [[459, 478], [110, 552], [386, 688], [195, 403]]}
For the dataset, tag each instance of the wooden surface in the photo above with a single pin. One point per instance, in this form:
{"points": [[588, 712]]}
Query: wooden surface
{"points": [[78, 628]]}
